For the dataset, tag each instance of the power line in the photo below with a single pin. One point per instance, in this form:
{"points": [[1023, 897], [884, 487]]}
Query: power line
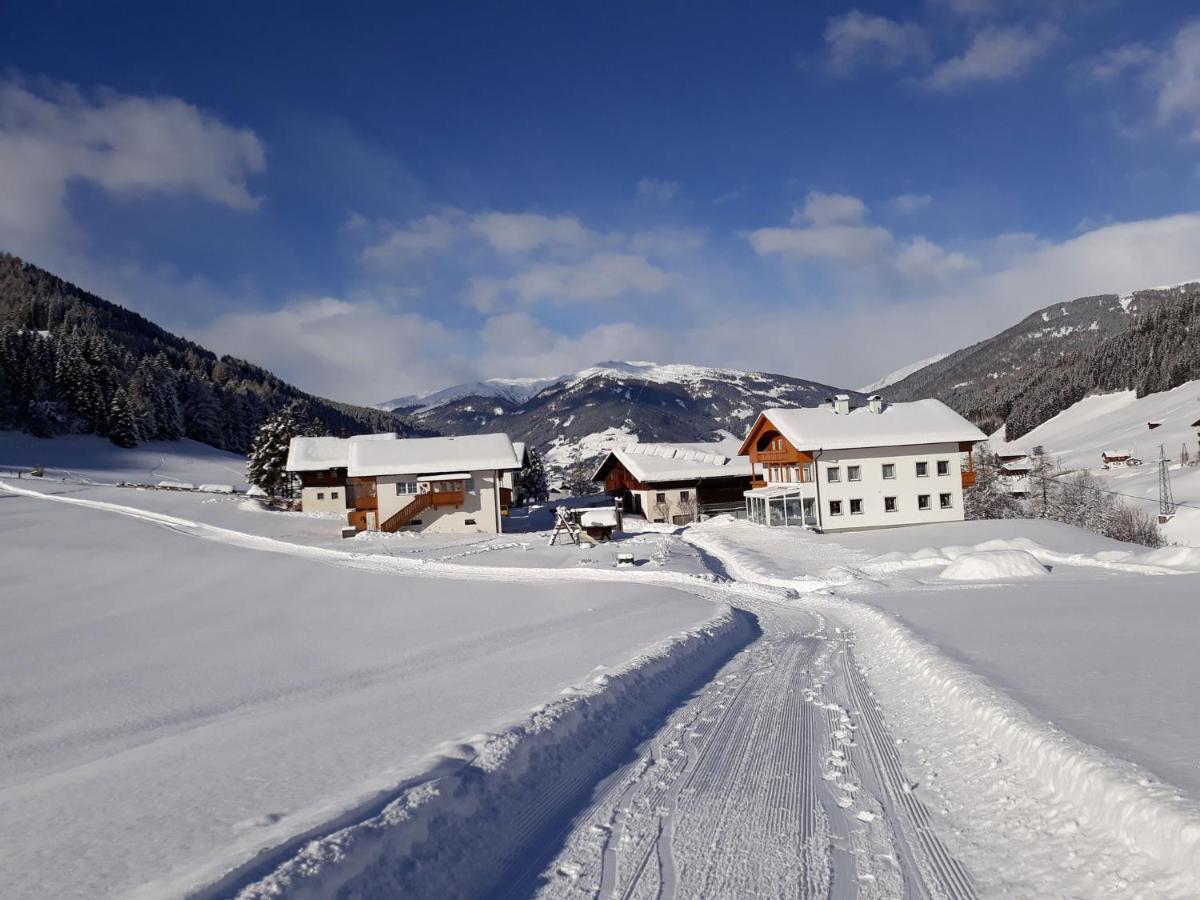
{"points": [[1100, 490]]}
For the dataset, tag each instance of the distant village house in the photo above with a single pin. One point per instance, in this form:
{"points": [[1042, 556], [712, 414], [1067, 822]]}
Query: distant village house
{"points": [[675, 483]]}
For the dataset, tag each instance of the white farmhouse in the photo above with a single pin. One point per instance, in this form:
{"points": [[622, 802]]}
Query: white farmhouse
{"points": [[839, 468], [442, 484]]}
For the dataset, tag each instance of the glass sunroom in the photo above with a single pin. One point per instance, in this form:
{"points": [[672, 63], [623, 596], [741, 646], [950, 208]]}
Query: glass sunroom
{"points": [[788, 505]]}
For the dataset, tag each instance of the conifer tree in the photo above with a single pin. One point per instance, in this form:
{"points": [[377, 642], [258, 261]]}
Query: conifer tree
{"points": [[266, 467], [988, 498], [122, 430], [534, 483]]}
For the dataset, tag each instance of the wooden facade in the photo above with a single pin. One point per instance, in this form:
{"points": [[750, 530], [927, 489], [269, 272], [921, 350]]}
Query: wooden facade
{"points": [[775, 455], [623, 486]]}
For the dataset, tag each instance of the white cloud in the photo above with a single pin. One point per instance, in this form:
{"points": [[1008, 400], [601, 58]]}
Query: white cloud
{"points": [[836, 243], [922, 259], [657, 191], [54, 134], [830, 209], [1178, 80], [1119, 60], [434, 233], [522, 232], [995, 54], [667, 242], [856, 40], [967, 7], [600, 277], [907, 204], [306, 341]]}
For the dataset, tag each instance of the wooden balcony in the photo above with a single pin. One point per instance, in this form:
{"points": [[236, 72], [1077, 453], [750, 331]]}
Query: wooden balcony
{"points": [[364, 501], [968, 479], [447, 498], [756, 483], [776, 457]]}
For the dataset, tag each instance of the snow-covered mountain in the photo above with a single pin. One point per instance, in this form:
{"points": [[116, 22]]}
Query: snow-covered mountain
{"points": [[513, 390], [902, 373], [612, 403]]}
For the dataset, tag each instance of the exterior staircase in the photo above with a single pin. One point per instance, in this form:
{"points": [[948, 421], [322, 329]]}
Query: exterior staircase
{"points": [[402, 517]]}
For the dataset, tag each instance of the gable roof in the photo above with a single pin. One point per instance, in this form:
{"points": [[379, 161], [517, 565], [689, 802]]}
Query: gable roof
{"points": [[898, 424], [650, 463], [432, 456], [314, 454]]}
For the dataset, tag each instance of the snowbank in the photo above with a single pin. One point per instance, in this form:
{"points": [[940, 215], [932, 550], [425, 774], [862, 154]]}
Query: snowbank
{"points": [[905, 671], [217, 488], [171, 485], [991, 565], [453, 833]]}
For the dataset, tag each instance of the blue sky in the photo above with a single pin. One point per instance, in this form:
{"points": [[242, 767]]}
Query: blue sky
{"points": [[396, 199]]}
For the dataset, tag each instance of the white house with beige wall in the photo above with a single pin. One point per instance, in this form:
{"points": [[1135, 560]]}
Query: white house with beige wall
{"points": [[441, 484], [840, 468]]}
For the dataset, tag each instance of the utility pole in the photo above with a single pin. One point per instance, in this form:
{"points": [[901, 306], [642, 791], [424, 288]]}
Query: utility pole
{"points": [[1166, 501]]}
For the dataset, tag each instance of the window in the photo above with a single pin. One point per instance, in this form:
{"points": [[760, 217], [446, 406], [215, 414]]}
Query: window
{"points": [[684, 496], [889, 470], [922, 470], [333, 496], [835, 507], [943, 467], [853, 473], [856, 507], [469, 522], [320, 496], [947, 500], [923, 502], [833, 474], [660, 498], [406, 487], [806, 471], [889, 504]]}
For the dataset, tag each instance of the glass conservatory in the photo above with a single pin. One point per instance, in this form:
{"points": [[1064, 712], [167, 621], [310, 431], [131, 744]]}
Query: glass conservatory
{"points": [[782, 505]]}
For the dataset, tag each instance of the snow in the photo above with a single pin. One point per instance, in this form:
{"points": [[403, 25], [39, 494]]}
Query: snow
{"points": [[919, 422], [217, 488], [414, 456], [598, 518], [562, 451], [902, 373], [993, 565], [171, 485], [514, 390], [315, 454], [651, 463], [229, 679], [89, 458], [173, 705], [1080, 434]]}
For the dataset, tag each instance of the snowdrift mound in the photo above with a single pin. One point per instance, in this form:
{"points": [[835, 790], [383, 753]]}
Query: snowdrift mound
{"points": [[454, 832], [992, 565]]}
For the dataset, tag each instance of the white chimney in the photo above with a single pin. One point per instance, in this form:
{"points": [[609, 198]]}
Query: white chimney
{"points": [[875, 403], [841, 404]]}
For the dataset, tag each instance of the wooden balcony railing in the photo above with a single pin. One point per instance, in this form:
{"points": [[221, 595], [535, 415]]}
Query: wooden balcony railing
{"points": [[405, 515], [968, 479], [772, 457], [446, 498]]}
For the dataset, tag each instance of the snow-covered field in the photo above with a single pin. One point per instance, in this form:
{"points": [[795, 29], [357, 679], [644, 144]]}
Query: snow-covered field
{"points": [[1121, 421], [971, 709], [87, 457], [172, 705]]}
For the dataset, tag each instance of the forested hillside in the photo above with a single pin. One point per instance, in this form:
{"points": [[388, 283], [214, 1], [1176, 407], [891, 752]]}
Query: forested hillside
{"points": [[1146, 341], [72, 362]]}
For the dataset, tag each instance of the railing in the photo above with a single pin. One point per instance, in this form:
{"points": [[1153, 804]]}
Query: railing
{"points": [[968, 479], [777, 456], [757, 483], [363, 500], [446, 498], [408, 513]]}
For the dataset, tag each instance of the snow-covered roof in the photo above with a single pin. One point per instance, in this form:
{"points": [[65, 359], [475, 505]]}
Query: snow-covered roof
{"points": [[314, 454], [432, 456], [519, 451], [1116, 454], [651, 463], [898, 424]]}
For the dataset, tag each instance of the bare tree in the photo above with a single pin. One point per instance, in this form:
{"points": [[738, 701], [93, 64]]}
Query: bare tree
{"points": [[689, 505]]}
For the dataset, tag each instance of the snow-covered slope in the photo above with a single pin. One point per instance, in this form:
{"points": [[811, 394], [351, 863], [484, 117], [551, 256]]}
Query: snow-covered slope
{"points": [[617, 401], [513, 390], [902, 373], [1077, 436]]}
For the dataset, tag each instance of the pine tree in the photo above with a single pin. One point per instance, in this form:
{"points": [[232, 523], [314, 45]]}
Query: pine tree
{"points": [[1043, 470], [534, 483], [988, 497], [266, 467], [122, 430]]}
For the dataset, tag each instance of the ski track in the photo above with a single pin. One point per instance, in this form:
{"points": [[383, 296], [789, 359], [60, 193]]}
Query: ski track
{"points": [[749, 789]]}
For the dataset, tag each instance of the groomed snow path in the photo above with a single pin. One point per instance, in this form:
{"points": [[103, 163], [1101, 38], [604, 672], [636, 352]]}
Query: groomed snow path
{"points": [[777, 779]]}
